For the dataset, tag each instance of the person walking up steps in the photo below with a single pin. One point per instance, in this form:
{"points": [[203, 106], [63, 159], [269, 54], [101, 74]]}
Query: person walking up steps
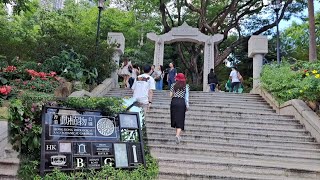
{"points": [[235, 78], [143, 88], [212, 80], [179, 92]]}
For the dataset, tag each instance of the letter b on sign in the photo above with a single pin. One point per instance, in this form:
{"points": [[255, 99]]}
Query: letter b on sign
{"points": [[80, 162]]}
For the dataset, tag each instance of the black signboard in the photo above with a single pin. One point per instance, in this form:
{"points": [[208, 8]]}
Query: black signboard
{"points": [[76, 139]]}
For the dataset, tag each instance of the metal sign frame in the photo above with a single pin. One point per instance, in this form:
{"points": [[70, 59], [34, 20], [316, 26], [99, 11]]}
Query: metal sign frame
{"points": [[74, 139]]}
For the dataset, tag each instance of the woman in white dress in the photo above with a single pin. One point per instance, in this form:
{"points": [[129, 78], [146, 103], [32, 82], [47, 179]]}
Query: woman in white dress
{"points": [[125, 69], [135, 73]]}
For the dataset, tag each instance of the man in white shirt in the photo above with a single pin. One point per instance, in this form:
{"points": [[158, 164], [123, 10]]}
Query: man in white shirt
{"points": [[143, 88], [235, 81]]}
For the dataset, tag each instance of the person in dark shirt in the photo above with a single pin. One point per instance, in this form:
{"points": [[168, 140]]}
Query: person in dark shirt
{"points": [[171, 75], [212, 80]]}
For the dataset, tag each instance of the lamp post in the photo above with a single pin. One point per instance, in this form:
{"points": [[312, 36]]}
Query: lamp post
{"points": [[276, 6], [100, 7]]}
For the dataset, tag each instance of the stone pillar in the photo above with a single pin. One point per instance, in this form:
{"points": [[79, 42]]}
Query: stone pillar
{"points": [[208, 63], [209, 58], [119, 40], [257, 48], [158, 48]]}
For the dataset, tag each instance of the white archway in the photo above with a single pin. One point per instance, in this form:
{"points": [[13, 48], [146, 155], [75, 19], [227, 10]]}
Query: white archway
{"points": [[189, 34]]}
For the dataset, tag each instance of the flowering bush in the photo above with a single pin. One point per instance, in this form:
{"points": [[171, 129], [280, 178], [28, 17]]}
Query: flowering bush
{"points": [[5, 90], [40, 81], [298, 81]]}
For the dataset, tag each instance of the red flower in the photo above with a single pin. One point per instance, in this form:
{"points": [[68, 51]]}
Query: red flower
{"points": [[5, 90], [42, 74], [32, 87], [25, 82], [52, 74], [10, 69]]}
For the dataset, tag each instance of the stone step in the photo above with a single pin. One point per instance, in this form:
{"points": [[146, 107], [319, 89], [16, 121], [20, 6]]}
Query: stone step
{"points": [[257, 147], [170, 173], [192, 93], [218, 107], [193, 109], [208, 123], [265, 131], [9, 168], [235, 140], [288, 156], [238, 165], [198, 134], [220, 113], [217, 114], [226, 120], [197, 98], [215, 103], [3, 137]]}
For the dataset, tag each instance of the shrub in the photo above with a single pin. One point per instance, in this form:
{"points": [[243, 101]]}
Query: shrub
{"points": [[71, 65], [297, 81]]}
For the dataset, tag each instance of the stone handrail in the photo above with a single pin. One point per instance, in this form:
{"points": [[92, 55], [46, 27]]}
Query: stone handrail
{"points": [[98, 91], [298, 109]]}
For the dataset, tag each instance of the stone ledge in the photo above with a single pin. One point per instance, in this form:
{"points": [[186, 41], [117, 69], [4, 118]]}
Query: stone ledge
{"points": [[98, 91], [298, 109]]}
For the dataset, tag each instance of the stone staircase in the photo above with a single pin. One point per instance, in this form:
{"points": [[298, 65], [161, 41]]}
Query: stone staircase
{"points": [[9, 161], [229, 136]]}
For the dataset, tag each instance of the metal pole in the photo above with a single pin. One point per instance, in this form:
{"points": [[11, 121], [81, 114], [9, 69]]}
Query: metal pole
{"points": [[278, 39], [98, 28]]}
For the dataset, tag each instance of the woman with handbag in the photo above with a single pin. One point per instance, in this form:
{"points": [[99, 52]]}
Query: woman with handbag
{"points": [[236, 79], [179, 92], [159, 78]]}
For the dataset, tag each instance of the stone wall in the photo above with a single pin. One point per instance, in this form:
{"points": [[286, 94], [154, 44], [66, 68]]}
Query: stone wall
{"points": [[298, 109]]}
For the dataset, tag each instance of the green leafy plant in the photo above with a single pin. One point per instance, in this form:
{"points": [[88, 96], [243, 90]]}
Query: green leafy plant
{"points": [[109, 105], [300, 80], [70, 65], [107, 172]]}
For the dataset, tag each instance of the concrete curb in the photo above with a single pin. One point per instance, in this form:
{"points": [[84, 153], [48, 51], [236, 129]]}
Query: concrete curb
{"points": [[98, 91], [297, 108]]}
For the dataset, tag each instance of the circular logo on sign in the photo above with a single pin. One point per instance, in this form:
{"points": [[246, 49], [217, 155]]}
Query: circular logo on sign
{"points": [[105, 126]]}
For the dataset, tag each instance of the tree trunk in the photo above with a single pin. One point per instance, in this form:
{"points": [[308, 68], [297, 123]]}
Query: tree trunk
{"points": [[312, 32]]}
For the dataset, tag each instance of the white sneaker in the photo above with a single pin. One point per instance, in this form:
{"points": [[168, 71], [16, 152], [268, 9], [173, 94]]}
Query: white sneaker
{"points": [[178, 139]]}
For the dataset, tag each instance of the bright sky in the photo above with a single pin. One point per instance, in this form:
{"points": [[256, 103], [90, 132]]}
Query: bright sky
{"points": [[284, 24]]}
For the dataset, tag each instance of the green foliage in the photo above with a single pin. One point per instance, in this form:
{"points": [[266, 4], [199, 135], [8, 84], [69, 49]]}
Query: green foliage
{"points": [[28, 168], [108, 105], [25, 131], [295, 40], [40, 34], [37, 84], [300, 80], [71, 65], [25, 122], [141, 173]]}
